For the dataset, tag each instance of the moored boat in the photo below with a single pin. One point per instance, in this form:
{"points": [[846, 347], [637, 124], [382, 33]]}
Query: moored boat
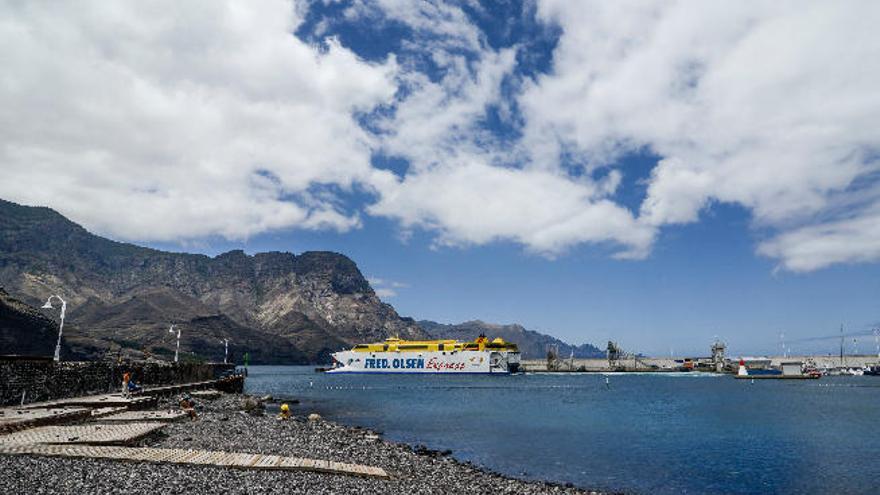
{"points": [[429, 356]]}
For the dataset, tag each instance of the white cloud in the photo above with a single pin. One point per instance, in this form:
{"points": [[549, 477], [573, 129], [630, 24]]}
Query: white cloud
{"points": [[169, 120], [850, 240], [768, 105], [475, 203], [385, 292], [463, 182], [386, 288], [178, 121]]}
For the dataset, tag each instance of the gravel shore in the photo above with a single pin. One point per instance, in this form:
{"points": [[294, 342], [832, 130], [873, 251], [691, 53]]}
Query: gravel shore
{"points": [[222, 425]]}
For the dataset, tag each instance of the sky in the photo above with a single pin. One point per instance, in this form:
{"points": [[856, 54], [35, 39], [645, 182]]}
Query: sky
{"points": [[654, 173]]}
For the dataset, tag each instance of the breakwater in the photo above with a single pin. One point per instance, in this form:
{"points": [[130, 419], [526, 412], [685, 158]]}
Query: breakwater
{"points": [[44, 379], [672, 364]]}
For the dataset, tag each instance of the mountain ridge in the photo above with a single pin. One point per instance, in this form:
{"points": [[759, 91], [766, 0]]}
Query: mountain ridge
{"points": [[532, 344], [317, 301]]}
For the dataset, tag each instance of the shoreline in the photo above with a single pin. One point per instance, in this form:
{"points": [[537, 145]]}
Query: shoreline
{"points": [[223, 425]]}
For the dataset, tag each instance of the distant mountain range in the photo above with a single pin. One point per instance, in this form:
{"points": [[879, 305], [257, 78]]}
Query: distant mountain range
{"points": [[278, 307], [532, 345]]}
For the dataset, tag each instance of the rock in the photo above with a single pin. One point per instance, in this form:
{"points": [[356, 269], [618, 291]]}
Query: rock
{"points": [[314, 417], [253, 406], [267, 398]]}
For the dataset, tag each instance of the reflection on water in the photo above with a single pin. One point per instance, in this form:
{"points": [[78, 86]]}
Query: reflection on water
{"points": [[659, 433]]}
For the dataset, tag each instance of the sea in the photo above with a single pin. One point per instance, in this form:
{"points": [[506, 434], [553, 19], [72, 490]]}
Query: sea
{"points": [[627, 432]]}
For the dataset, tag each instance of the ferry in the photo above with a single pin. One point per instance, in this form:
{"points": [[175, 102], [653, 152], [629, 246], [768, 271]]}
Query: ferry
{"points": [[429, 356]]}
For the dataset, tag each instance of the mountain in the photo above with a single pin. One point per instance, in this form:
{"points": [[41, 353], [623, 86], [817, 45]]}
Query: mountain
{"points": [[532, 345], [279, 307]]}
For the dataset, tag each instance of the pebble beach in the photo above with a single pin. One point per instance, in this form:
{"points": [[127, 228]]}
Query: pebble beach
{"points": [[224, 425]]}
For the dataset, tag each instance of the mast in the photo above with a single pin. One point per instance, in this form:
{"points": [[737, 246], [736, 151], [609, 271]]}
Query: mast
{"points": [[841, 344]]}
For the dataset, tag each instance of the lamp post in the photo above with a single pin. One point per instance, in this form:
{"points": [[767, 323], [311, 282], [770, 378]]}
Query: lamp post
{"points": [[877, 341], [177, 350], [225, 350], [48, 305]]}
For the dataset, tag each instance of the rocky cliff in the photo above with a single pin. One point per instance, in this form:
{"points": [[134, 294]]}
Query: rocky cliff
{"points": [[280, 307], [532, 345]]}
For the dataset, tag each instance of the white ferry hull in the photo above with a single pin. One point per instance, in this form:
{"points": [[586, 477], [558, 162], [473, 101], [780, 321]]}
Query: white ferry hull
{"points": [[452, 362]]}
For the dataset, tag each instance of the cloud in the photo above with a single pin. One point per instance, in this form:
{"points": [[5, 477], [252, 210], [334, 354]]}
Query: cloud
{"points": [[766, 105], [808, 248], [180, 121], [172, 121], [386, 288], [464, 183], [475, 203]]}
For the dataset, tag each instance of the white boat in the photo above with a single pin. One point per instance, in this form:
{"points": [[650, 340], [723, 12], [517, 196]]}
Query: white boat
{"points": [[429, 356]]}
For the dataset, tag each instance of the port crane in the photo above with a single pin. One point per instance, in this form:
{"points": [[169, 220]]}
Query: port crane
{"points": [[617, 357]]}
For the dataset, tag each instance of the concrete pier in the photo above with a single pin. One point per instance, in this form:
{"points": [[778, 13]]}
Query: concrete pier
{"points": [[660, 364]]}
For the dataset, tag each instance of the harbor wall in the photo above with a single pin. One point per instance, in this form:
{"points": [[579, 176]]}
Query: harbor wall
{"points": [[44, 379], [601, 364]]}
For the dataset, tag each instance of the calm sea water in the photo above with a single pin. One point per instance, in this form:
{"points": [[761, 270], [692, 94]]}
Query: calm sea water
{"points": [[641, 433]]}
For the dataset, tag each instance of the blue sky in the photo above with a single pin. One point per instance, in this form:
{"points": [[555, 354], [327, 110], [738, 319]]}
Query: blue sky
{"points": [[701, 281], [653, 173]]}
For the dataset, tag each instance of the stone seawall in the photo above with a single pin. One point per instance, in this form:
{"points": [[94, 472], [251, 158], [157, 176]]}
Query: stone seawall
{"points": [[43, 379]]}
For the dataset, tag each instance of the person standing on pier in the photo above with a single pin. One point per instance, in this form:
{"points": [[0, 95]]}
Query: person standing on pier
{"points": [[126, 377]]}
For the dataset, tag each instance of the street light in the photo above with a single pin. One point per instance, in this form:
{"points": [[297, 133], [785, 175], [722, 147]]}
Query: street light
{"points": [[877, 341], [48, 305], [176, 351]]}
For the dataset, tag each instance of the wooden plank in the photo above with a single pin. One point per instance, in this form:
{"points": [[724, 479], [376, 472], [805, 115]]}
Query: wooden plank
{"points": [[82, 434], [194, 457], [141, 416], [18, 419], [106, 411]]}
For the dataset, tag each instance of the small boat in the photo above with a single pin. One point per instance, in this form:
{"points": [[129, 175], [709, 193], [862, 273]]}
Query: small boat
{"points": [[872, 370]]}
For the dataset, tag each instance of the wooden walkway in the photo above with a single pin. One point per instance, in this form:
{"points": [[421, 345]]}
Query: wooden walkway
{"points": [[198, 457], [98, 401], [106, 411], [88, 433], [19, 419], [140, 416]]}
